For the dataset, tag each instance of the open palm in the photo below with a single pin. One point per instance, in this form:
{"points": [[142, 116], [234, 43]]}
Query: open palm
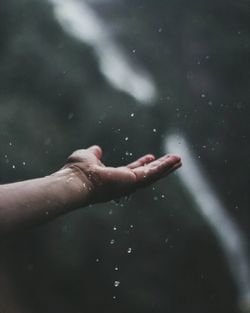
{"points": [[107, 183]]}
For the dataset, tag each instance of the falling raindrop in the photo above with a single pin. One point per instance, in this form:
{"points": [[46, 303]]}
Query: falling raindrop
{"points": [[70, 116]]}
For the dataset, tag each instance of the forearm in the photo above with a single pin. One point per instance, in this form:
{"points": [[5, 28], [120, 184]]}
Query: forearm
{"points": [[35, 201]]}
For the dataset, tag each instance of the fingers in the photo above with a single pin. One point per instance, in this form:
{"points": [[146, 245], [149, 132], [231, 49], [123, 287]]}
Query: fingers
{"points": [[142, 161], [96, 150], [172, 169], [157, 169]]}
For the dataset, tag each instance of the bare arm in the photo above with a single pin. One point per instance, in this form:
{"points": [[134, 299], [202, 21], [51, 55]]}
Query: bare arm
{"points": [[82, 181]]}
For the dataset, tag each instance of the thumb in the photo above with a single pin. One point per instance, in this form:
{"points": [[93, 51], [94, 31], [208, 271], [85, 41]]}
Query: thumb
{"points": [[96, 150]]}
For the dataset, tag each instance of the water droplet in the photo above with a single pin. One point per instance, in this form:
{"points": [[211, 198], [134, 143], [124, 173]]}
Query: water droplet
{"points": [[154, 130], [13, 166], [112, 241], [69, 180], [159, 30], [203, 95], [70, 116], [129, 250], [126, 138], [114, 228], [132, 114], [65, 228], [134, 50], [131, 226], [116, 283], [97, 260], [24, 163], [166, 240], [116, 268], [114, 297]]}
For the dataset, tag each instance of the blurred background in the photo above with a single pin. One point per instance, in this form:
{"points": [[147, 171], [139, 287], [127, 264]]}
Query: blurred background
{"points": [[135, 77]]}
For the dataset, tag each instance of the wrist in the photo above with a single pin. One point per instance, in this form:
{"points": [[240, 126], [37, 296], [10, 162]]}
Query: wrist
{"points": [[75, 186]]}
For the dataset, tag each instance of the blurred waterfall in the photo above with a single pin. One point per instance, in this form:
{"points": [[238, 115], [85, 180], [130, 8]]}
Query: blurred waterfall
{"points": [[227, 232], [80, 21]]}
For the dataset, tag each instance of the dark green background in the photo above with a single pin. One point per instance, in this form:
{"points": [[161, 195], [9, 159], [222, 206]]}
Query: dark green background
{"points": [[53, 100]]}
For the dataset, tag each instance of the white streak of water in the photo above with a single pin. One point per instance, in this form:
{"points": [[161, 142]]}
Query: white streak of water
{"points": [[226, 230], [80, 21]]}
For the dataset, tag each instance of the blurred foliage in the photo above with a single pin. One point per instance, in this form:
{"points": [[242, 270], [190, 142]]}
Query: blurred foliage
{"points": [[54, 99]]}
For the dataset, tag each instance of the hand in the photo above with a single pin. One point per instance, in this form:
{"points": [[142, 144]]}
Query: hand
{"points": [[82, 181], [108, 183]]}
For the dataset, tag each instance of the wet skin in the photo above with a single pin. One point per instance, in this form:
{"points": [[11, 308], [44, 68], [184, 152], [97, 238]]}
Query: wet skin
{"points": [[82, 181]]}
